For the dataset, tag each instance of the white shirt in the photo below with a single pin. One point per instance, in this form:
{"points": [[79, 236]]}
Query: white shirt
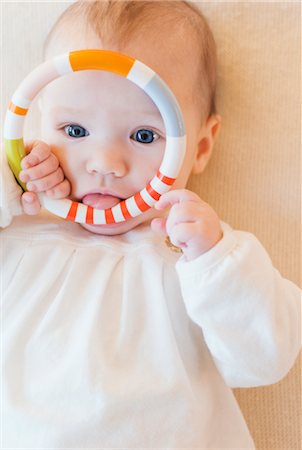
{"points": [[117, 342]]}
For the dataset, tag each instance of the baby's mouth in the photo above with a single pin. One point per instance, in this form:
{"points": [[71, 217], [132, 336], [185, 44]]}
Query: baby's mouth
{"points": [[100, 201]]}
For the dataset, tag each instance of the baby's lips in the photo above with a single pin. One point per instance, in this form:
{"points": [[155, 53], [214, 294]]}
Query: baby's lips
{"points": [[100, 201]]}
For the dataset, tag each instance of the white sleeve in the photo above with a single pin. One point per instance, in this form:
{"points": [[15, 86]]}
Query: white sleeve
{"points": [[10, 194], [249, 314]]}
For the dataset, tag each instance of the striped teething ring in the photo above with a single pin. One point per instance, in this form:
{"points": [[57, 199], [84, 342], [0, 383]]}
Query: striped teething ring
{"points": [[139, 74]]}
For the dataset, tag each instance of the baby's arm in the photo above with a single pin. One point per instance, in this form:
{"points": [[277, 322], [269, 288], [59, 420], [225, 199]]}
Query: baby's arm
{"points": [[41, 171], [249, 314]]}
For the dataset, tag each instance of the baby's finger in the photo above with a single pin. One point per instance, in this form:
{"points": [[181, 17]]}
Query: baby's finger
{"points": [[30, 203], [62, 190], [46, 183], [46, 167], [37, 151], [176, 196], [186, 212], [181, 234]]}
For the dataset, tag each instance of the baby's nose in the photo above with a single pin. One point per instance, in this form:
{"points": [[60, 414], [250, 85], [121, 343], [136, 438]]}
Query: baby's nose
{"points": [[107, 161]]}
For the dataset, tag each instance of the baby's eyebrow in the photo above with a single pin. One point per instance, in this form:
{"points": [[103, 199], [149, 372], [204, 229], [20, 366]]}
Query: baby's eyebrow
{"points": [[149, 113]]}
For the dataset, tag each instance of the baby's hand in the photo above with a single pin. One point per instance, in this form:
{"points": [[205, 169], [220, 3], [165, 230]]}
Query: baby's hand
{"points": [[41, 172], [191, 224]]}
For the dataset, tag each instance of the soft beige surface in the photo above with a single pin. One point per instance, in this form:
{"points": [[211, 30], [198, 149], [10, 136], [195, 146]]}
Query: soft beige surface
{"points": [[253, 180]]}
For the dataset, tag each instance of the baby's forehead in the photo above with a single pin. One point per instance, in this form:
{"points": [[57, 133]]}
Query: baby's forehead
{"points": [[94, 89]]}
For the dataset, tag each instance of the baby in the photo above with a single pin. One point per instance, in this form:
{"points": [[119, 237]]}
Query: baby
{"points": [[112, 340]]}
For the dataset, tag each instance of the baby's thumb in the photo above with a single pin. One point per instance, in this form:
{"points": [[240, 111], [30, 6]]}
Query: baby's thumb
{"points": [[159, 226], [30, 203]]}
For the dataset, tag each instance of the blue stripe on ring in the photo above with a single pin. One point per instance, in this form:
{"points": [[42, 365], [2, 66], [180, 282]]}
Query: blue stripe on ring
{"points": [[162, 96]]}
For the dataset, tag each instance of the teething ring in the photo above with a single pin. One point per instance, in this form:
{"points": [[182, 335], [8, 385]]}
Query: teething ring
{"points": [[142, 76]]}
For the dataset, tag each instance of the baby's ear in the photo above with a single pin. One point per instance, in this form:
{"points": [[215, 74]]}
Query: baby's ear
{"points": [[207, 136]]}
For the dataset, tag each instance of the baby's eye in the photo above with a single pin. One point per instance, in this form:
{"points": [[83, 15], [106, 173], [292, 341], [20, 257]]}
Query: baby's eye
{"points": [[75, 131], [144, 136]]}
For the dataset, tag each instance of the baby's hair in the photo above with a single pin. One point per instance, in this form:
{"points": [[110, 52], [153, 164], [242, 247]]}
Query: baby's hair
{"points": [[116, 22]]}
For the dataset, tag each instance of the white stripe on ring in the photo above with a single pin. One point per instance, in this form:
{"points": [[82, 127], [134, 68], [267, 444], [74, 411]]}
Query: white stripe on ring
{"points": [[59, 207], [170, 165], [117, 213], [13, 125], [19, 100], [81, 213], [159, 186], [62, 64], [99, 216], [140, 74], [147, 197], [132, 207]]}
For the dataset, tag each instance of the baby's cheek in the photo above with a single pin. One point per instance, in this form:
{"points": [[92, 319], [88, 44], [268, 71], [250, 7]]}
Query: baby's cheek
{"points": [[145, 171], [71, 166]]}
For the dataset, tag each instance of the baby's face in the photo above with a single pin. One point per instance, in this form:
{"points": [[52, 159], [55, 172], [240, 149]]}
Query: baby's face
{"points": [[110, 137]]}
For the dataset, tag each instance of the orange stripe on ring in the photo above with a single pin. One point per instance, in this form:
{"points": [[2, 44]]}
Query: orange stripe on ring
{"points": [[89, 215], [165, 179], [101, 60], [72, 212], [154, 194], [142, 205], [125, 210], [17, 109], [109, 216]]}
